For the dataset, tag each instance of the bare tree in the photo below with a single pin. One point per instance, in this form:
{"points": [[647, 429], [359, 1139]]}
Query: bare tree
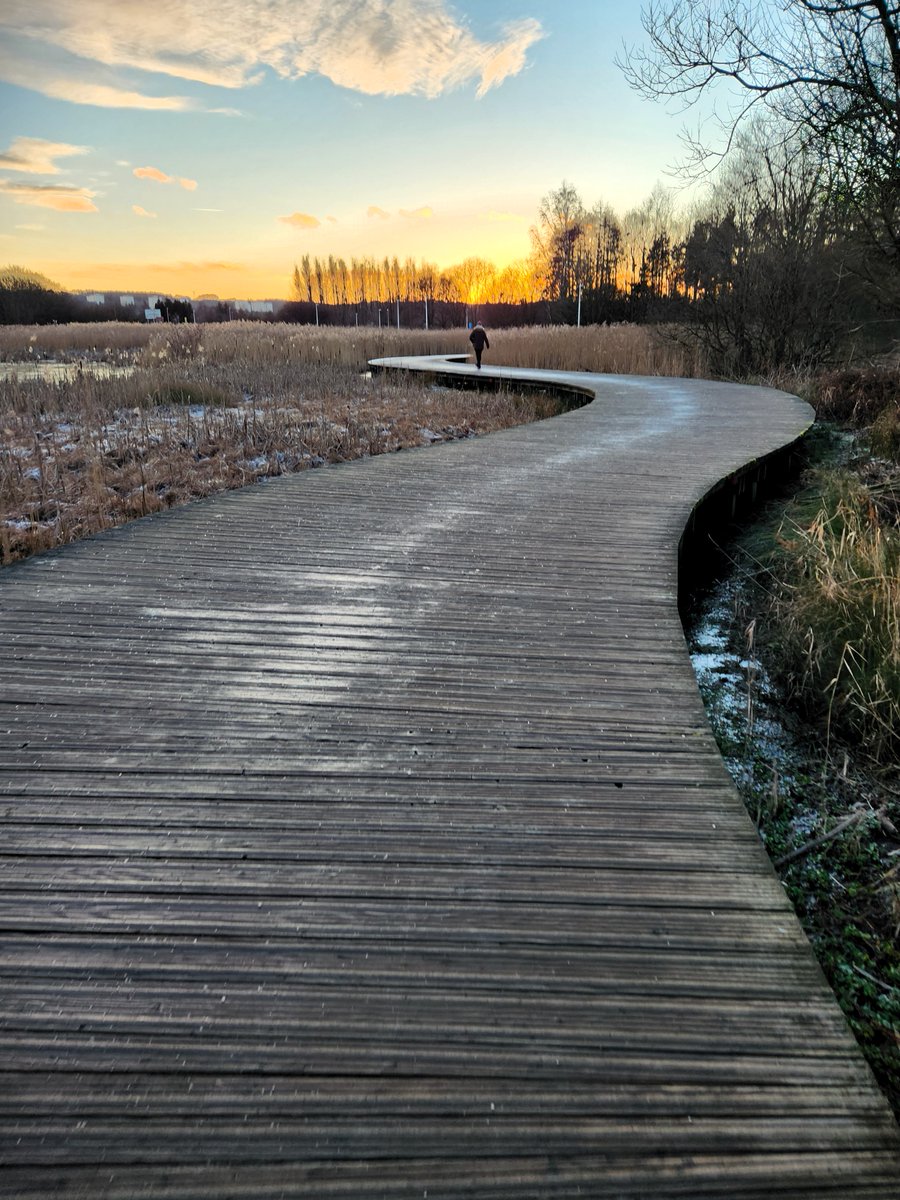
{"points": [[555, 239], [763, 262], [828, 70]]}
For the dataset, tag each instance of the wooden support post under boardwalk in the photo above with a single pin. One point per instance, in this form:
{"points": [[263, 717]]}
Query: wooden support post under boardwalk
{"points": [[364, 836]]}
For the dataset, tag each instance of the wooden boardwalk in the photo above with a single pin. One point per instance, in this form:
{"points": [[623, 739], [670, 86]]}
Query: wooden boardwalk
{"points": [[363, 836]]}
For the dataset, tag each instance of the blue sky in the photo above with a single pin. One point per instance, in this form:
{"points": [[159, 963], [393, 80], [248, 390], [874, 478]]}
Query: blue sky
{"points": [[192, 148]]}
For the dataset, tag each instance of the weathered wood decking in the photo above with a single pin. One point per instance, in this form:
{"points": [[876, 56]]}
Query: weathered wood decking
{"points": [[363, 836]]}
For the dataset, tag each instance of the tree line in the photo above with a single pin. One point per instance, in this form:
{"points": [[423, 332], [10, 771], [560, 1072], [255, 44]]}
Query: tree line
{"points": [[768, 267]]}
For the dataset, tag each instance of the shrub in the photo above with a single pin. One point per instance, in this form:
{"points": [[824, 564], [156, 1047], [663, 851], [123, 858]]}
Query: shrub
{"points": [[856, 397], [884, 436]]}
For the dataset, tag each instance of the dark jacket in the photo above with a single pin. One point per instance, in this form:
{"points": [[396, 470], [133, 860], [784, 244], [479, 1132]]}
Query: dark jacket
{"points": [[479, 338]]}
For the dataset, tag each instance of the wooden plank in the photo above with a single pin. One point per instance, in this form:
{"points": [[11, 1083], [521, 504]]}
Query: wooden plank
{"points": [[363, 836]]}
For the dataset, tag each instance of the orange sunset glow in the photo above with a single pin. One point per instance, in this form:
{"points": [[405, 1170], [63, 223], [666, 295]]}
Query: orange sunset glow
{"points": [[152, 148]]}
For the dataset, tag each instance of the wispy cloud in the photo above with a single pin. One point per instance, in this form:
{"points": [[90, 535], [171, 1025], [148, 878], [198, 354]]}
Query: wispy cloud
{"points": [[36, 156], [392, 47], [31, 228], [139, 211], [417, 214], [154, 173], [375, 211], [45, 195], [24, 62], [498, 63], [301, 220], [102, 96]]}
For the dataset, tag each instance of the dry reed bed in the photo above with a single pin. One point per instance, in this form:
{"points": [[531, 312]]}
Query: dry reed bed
{"points": [[607, 349], [830, 628], [610, 349], [249, 341], [84, 454]]}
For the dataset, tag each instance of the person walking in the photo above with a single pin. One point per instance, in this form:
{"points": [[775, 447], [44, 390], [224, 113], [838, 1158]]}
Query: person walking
{"points": [[479, 340]]}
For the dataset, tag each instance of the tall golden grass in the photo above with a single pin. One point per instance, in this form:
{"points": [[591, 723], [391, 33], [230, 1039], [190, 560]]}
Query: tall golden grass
{"points": [[607, 349], [837, 605], [610, 349], [246, 340]]}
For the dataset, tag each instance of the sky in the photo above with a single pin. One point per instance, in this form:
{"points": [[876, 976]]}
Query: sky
{"points": [[181, 147]]}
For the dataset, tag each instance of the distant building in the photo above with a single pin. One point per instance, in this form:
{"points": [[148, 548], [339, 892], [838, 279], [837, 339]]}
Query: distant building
{"points": [[255, 306], [95, 298], [127, 301], [152, 314]]}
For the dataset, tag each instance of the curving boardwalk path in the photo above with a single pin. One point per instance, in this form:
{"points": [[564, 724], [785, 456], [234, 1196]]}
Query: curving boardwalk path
{"points": [[363, 836]]}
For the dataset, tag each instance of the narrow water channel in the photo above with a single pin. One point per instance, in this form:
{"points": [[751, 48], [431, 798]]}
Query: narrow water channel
{"points": [[765, 751]]}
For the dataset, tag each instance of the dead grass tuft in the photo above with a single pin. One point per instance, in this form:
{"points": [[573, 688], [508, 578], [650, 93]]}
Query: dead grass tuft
{"points": [[856, 397]]}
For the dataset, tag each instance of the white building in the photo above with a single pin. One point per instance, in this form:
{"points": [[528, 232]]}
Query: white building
{"points": [[254, 306], [127, 301], [95, 298]]}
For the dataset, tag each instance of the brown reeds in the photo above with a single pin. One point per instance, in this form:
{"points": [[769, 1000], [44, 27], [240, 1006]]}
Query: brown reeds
{"points": [[248, 341], [857, 397], [610, 349], [606, 349], [837, 570]]}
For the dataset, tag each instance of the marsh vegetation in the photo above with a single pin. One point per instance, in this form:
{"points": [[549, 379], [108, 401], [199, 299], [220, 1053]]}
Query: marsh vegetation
{"points": [[798, 658], [104, 423]]}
